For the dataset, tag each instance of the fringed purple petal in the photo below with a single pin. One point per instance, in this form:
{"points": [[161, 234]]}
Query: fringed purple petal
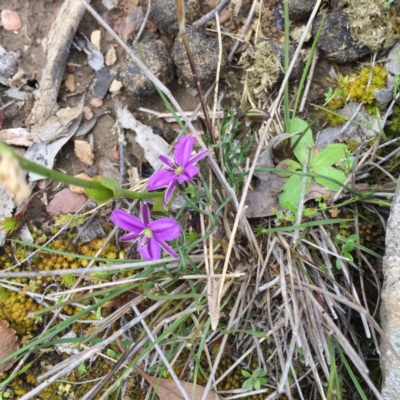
{"points": [[166, 161], [170, 191], [152, 251], [145, 214], [198, 156], [160, 179], [127, 221], [165, 229], [168, 249], [130, 237], [183, 150], [189, 173]]}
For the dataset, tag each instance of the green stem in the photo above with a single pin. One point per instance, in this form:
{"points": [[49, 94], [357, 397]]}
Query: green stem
{"points": [[286, 111]]}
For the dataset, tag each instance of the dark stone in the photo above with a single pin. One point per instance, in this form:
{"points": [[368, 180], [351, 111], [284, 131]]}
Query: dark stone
{"points": [[205, 50], [165, 17], [101, 82], [335, 42], [300, 9], [159, 62]]}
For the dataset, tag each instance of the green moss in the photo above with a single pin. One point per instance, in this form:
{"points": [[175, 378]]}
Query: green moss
{"points": [[393, 129], [355, 88]]}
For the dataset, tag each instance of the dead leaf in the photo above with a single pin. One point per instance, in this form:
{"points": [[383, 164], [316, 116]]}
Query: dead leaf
{"points": [[16, 137], [153, 145], [56, 126], [334, 212], [83, 150], [167, 389], [8, 344], [95, 58], [45, 153]]}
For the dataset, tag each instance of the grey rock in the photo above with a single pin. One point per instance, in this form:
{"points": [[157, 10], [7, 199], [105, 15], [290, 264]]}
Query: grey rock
{"points": [[335, 42], [101, 82], [390, 310], [91, 231]]}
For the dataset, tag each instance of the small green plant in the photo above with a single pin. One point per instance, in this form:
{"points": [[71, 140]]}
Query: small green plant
{"points": [[319, 165], [348, 245], [254, 379]]}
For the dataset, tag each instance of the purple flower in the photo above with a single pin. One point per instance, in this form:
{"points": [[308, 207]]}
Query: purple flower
{"points": [[149, 235], [179, 169]]}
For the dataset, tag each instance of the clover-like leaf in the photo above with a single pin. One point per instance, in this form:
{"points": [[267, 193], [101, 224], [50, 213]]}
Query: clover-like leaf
{"points": [[330, 155], [304, 146], [289, 165], [332, 173], [291, 190]]}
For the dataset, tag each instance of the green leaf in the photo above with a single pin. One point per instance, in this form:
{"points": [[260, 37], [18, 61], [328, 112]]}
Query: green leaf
{"points": [[99, 193], [288, 165], [246, 374], [349, 256], [330, 172], [338, 265], [291, 190], [305, 145], [309, 212], [329, 156], [257, 384], [113, 354], [247, 383], [261, 373], [349, 246]]}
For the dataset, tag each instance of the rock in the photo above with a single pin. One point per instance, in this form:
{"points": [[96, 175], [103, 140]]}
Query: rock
{"points": [[101, 83], [10, 20], [116, 86], [205, 54], [390, 311], [80, 189], [111, 56], [335, 42], [392, 66], [129, 26], [65, 202], [83, 150], [87, 113], [91, 231], [164, 14], [70, 83], [95, 38], [300, 9], [159, 62], [96, 102]]}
